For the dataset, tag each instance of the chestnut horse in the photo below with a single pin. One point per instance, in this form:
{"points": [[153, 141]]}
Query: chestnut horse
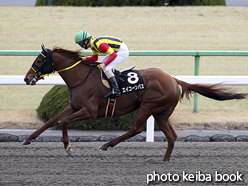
{"points": [[87, 100]]}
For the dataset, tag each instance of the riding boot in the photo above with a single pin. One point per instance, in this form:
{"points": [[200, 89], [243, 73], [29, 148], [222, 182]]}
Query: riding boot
{"points": [[115, 92]]}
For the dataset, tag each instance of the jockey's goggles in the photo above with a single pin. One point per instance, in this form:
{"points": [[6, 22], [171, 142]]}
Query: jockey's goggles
{"points": [[83, 44]]}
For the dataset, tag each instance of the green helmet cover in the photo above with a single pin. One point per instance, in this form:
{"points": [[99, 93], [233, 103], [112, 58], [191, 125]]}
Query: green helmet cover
{"points": [[80, 36]]}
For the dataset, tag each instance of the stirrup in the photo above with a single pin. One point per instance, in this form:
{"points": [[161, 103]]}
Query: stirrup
{"points": [[113, 94]]}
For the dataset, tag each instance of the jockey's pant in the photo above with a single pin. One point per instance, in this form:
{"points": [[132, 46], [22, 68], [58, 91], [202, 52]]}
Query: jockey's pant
{"points": [[122, 55]]}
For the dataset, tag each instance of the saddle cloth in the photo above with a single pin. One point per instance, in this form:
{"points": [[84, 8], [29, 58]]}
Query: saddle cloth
{"points": [[128, 80]]}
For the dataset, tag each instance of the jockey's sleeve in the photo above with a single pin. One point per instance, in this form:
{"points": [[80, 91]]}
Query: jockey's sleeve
{"points": [[108, 50], [93, 58]]}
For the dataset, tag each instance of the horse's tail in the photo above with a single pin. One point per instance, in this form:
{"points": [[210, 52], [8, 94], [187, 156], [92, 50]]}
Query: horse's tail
{"points": [[216, 91]]}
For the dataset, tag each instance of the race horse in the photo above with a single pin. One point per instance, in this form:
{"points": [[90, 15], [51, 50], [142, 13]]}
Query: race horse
{"points": [[159, 98]]}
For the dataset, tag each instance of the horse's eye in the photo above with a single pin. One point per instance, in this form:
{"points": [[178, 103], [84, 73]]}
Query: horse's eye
{"points": [[38, 61]]}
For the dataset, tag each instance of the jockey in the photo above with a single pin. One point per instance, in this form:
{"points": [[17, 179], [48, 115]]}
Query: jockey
{"points": [[115, 49]]}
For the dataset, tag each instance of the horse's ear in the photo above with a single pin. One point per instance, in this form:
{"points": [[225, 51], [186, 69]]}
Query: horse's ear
{"points": [[44, 48]]}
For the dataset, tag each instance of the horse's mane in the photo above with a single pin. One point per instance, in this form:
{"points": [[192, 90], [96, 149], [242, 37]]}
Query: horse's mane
{"points": [[72, 54], [69, 53]]}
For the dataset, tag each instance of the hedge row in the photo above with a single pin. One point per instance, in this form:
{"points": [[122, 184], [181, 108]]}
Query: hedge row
{"points": [[103, 2], [197, 2], [56, 100], [132, 2]]}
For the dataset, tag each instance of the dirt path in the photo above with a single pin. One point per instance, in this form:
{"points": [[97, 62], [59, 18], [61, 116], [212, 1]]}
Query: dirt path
{"points": [[131, 163]]}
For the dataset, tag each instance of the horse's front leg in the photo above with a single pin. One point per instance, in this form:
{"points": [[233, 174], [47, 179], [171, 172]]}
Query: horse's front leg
{"points": [[136, 129], [52, 122], [82, 114]]}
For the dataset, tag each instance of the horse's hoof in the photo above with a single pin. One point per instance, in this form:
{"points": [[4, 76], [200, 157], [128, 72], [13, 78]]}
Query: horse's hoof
{"points": [[102, 148], [68, 150], [25, 142]]}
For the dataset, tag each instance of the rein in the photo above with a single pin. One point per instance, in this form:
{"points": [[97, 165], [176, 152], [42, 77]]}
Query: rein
{"points": [[68, 68], [83, 80]]}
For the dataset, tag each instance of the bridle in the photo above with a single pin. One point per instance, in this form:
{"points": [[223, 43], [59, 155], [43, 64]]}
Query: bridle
{"points": [[48, 67]]}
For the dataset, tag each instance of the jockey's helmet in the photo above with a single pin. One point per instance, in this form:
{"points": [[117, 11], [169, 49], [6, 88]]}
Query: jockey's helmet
{"points": [[81, 36]]}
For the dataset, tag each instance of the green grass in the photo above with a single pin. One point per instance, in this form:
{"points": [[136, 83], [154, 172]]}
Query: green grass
{"points": [[141, 28]]}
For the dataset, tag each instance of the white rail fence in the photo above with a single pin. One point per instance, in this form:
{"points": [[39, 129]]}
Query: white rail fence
{"points": [[208, 80]]}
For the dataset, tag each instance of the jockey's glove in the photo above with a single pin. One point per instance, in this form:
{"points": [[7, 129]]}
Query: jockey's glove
{"points": [[101, 66], [83, 58]]}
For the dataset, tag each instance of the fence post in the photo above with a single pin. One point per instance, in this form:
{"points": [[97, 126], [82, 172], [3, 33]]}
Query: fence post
{"points": [[150, 129], [196, 95]]}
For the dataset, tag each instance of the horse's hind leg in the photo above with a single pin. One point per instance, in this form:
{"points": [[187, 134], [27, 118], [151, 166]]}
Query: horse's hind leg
{"points": [[162, 120]]}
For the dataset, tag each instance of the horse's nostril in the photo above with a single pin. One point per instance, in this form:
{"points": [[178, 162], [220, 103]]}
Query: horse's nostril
{"points": [[26, 79]]}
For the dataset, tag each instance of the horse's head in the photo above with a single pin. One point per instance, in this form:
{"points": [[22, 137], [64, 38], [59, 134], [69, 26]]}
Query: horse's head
{"points": [[42, 65]]}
